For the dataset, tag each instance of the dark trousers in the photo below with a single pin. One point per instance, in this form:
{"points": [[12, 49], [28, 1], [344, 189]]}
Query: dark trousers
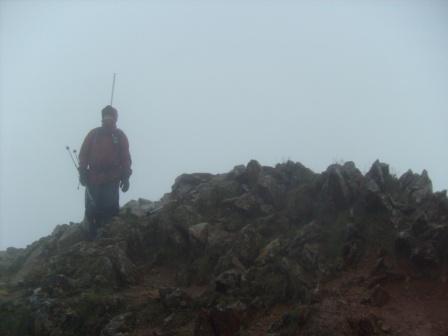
{"points": [[102, 203]]}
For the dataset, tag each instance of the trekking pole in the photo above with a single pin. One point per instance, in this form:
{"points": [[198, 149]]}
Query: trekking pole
{"points": [[89, 195], [113, 90], [76, 156], [74, 162], [77, 161], [71, 156]]}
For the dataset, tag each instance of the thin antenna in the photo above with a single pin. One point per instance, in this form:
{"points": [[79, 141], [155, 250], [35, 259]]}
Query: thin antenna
{"points": [[113, 90]]}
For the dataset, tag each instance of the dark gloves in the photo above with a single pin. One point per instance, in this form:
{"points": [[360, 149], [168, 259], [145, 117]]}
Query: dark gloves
{"points": [[83, 176], [124, 184]]}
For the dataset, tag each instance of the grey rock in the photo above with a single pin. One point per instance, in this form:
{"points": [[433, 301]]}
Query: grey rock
{"points": [[378, 176], [253, 171], [416, 187], [140, 207], [246, 204], [185, 184], [341, 185]]}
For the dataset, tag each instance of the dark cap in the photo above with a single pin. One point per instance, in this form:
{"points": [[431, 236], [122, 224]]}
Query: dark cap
{"points": [[109, 110]]}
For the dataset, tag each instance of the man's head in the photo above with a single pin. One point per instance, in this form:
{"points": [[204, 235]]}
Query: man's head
{"points": [[109, 116]]}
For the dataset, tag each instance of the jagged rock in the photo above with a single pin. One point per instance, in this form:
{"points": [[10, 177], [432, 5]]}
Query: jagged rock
{"points": [[88, 264], [416, 187], [185, 184], [140, 207], [270, 191], [238, 173], [210, 196], [283, 280], [379, 185], [184, 215], [258, 235], [247, 204], [247, 246], [341, 185], [304, 246], [378, 176], [293, 174], [253, 171]]}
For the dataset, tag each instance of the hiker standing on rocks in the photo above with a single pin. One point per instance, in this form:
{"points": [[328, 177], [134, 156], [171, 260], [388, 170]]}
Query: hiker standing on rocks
{"points": [[104, 167]]}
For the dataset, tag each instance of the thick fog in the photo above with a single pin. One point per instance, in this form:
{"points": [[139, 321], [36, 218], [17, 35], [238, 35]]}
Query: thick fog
{"points": [[205, 85]]}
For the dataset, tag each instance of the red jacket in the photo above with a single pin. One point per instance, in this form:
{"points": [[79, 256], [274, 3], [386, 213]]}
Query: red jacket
{"points": [[105, 155]]}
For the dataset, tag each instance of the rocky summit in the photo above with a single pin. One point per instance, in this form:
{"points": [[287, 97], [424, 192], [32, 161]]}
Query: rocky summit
{"points": [[255, 251]]}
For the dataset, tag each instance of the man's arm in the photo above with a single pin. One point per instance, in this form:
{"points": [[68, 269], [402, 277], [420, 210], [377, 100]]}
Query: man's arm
{"points": [[125, 157]]}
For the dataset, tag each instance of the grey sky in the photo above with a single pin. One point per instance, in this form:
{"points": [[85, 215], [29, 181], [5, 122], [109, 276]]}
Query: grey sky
{"points": [[205, 85]]}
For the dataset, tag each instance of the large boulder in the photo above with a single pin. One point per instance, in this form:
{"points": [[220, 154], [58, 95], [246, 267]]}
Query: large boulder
{"points": [[378, 177]]}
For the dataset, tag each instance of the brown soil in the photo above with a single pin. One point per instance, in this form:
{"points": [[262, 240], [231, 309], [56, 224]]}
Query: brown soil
{"points": [[414, 306]]}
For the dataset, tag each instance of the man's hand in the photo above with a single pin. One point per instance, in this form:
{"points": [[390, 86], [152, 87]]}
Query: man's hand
{"points": [[83, 176], [124, 185]]}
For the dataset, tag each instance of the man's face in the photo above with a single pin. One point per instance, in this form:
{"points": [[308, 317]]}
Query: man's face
{"points": [[109, 121]]}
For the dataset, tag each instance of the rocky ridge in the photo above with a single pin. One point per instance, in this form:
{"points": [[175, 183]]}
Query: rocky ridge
{"points": [[255, 251]]}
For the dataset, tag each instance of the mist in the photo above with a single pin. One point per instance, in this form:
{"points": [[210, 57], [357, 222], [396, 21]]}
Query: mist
{"points": [[203, 86]]}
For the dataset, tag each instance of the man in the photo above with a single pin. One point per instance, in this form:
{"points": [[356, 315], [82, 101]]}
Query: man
{"points": [[104, 166]]}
